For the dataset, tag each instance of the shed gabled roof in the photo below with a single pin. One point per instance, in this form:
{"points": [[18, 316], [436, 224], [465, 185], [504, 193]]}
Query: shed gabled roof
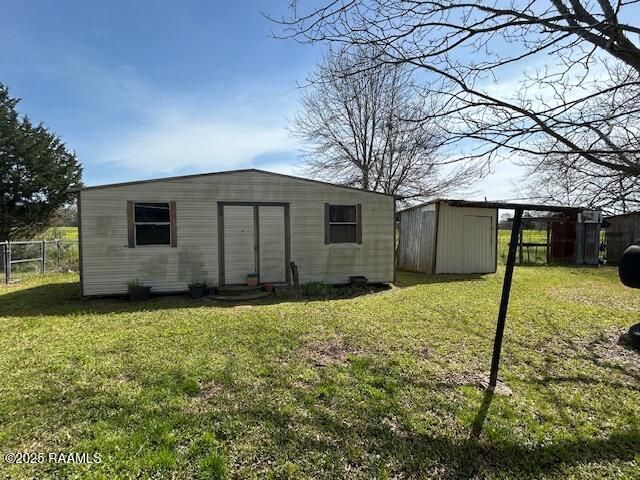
{"points": [[499, 204], [226, 172]]}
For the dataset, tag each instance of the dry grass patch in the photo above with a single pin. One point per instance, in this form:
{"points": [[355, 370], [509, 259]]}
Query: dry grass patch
{"points": [[598, 295], [330, 351], [614, 346]]}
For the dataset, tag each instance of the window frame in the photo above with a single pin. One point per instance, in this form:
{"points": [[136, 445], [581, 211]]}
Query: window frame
{"points": [[354, 223], [136, 223]]}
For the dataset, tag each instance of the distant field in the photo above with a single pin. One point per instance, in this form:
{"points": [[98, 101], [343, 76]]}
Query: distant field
{"points": [[531, 254], [61, 233], [529, 236]]}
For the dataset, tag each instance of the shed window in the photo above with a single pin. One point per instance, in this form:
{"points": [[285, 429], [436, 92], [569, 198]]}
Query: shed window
{"points": [[152, 224], [343, 223]]}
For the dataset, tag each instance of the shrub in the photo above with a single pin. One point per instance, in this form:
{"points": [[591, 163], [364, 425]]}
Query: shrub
{"points": [[319, 290]]}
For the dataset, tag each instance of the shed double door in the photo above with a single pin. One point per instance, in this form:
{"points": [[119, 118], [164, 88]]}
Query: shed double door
{"points": [[254, 240]]}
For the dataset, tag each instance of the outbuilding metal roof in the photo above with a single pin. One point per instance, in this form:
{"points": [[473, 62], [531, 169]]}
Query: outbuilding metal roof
{"points": [[227, 172], [499, 204]]}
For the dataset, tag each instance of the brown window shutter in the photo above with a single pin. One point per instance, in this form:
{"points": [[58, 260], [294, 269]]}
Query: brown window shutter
{"points": [[174, 228], [327, 233], [130, 226], [359, 226]]}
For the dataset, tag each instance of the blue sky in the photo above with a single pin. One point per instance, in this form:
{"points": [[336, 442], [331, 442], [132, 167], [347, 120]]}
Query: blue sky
{"points": [[142, 89]]}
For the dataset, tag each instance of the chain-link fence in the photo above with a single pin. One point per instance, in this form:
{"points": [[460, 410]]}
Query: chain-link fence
{"points": [[37, 256]]}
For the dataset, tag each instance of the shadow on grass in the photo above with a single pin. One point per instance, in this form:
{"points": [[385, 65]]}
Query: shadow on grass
{"points": [[411, 279], [153, 420], [65, 299], [154, 415], [418, 454], [481, 416]]}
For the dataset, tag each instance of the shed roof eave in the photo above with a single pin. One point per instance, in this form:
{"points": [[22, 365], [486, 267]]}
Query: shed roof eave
{"points": [[228, 172], [499, 205]]}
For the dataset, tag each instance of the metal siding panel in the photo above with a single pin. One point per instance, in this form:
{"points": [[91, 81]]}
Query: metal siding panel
{"points": [[415, 252], [477, 234], [450, 258]]}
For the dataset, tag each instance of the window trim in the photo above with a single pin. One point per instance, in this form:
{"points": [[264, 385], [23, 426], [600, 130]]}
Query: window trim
{"points": [[357, 223], [133, 223]]}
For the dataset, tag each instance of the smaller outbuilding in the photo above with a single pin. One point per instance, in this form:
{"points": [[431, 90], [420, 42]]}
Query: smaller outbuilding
{"points": [[461, 237], [448, 236]]}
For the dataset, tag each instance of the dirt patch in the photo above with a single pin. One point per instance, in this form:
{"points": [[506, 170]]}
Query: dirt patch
{"points": [[327, 352], [596, 295], [300, 384], [473, 379], [609, 349], [614, 346], [208, 392], [424, 351]]}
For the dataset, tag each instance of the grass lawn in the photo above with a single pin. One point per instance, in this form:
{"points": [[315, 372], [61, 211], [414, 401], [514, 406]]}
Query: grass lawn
{"points": [[377, 386]]}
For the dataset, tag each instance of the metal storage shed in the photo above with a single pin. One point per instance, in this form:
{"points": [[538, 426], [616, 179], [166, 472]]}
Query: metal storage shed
{"points": [[460, 236], [448, 236]]}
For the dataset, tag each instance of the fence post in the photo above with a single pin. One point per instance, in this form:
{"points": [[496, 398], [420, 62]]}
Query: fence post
{"points": [[548, 243], [58, 254], [521, 255], [4, 261], [8, 259], [43, 254]]}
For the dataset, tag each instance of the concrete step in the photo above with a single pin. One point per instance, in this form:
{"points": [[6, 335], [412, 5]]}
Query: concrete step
{"points": [[241, 297], [238, 290]]}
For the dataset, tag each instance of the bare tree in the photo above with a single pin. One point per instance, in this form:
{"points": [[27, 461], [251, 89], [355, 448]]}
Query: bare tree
{"points": [[369, 127], [462, 48], [570, 178]]}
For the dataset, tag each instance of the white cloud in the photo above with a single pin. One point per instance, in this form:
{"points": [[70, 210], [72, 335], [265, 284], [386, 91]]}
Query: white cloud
{"points": [[204, 130], [180, 141]]}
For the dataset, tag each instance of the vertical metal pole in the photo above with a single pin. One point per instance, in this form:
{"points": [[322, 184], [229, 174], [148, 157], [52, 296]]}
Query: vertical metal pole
{"points": [[4, 262], [520, 245], [8, 261], [43, 254], [504, 302], [548, 243], [58, 255]]}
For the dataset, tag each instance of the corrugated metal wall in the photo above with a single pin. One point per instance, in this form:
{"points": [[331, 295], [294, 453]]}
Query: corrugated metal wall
{"points": [[624, 230], [417, 239]]}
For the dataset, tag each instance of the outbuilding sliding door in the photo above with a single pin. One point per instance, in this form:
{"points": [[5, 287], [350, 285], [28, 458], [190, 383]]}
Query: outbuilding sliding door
{"points": [[239, 243], [478, 248], [271, 235], [253, 238]]}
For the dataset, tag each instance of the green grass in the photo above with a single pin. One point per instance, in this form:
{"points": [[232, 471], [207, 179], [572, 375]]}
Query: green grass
{"points": [[531, 255], [375, 386]]}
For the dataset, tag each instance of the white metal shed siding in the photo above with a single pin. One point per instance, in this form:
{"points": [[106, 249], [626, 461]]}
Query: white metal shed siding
{"points": [[108, 264], [450, 245]]}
